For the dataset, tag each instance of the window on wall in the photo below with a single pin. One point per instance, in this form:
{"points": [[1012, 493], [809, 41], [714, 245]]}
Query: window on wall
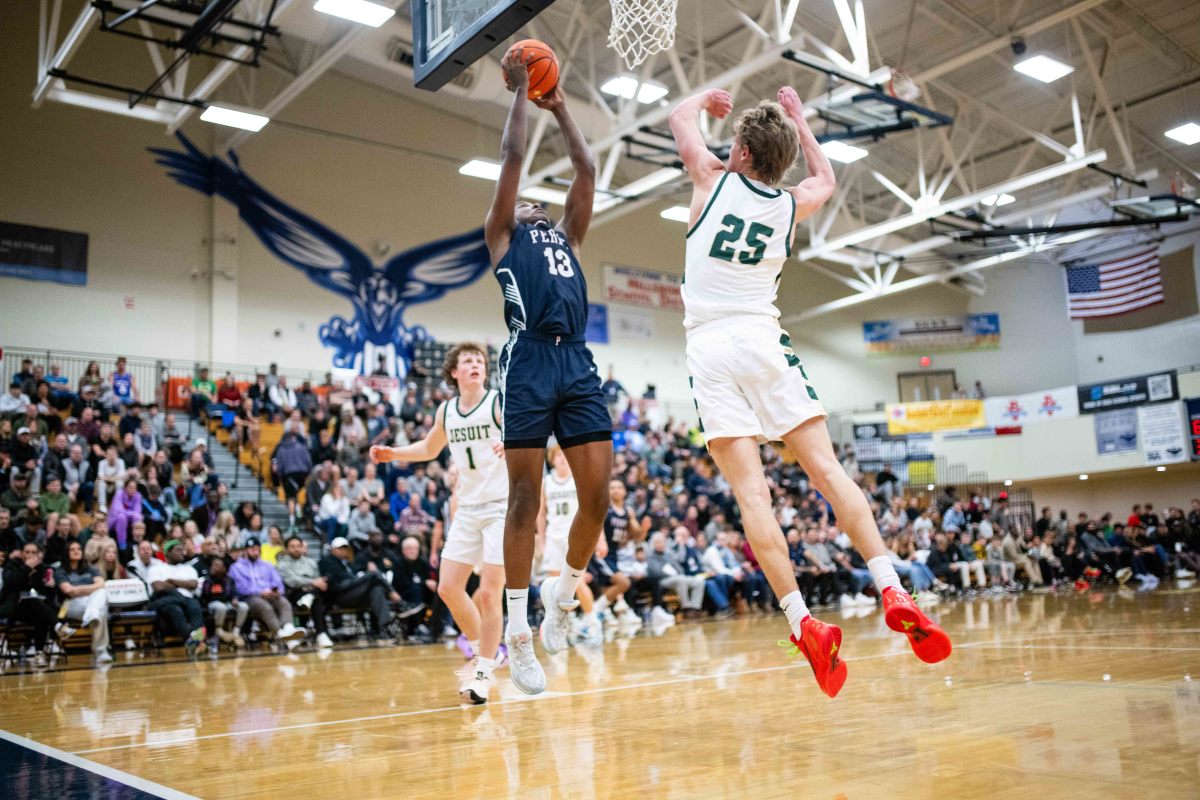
{"points": [[916, 387]]}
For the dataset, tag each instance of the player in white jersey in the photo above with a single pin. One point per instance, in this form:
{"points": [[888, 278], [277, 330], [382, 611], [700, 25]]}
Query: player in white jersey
{"points": [[560, 501], [748, 383], [470, 425]]}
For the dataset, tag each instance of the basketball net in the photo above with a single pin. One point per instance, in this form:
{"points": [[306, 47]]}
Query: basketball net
{"points": [[641, 28], [902, 86]]}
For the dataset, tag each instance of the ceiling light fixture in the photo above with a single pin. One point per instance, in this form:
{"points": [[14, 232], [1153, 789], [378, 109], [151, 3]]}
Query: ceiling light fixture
{"points": [[1043, 68], [841, 152], [1188, 133], [676, 213], [628, 87], [996, 200], [361, 11], [233, 118]]}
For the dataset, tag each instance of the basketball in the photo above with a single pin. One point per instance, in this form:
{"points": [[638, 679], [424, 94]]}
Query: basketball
{"points": [[542, 66]]}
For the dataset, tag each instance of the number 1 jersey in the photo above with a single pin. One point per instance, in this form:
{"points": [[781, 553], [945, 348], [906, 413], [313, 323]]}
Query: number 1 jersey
{"points": [[544, 289], [472, 437], [736, 251]]}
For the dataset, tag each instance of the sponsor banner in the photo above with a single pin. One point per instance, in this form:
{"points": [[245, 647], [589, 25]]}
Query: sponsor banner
{"points": [[967, 332], [1031, 407], [645, 288], [1161, 430], [935, 415], [43, 254], [597, 324], [628, 324], [1116, 431], [906, 455], [1193, 422], [1128, 392]]}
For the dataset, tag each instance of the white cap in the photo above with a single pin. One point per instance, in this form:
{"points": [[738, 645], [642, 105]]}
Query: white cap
{"points": [[340, 541]]}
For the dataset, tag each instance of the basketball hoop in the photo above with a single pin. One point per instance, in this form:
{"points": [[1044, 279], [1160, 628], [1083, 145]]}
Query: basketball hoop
{"points": [[641, 28], [902, 86]]}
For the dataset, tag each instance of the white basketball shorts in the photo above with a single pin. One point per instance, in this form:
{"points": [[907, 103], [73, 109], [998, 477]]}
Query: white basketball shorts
{"points": [[747, 381], [476, 534]]}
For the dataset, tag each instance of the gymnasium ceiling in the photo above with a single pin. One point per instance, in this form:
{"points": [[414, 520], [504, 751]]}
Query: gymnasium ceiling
{"points": [[1007, 126]]}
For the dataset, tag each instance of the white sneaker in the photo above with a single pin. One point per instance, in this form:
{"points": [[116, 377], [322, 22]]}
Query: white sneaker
{"points": [[660, 616], [845, 601], [103, 657], [291, 644], [524, 669], [305, 601], [607, 617], [476, 689], [323, 641], [556, 625], [862, 600], [1184, 573], [289, 633], [628, 619], [927, 598], [591, 632], [130, 644]]}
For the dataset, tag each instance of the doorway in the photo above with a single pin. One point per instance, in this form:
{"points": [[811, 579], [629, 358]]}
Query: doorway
{"points": [[916, 387]]}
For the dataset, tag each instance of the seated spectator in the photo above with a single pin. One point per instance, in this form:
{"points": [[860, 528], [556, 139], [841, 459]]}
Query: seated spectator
{"points": [[414, 521], [306, 399], [59, 535], [25, 454], [125, 509], [318, 484], [145, 443], [360, 525], [945, 561], [665, 563], [109, 477], [258, 585], [206, 515], [26, 596], [142, 562], [193, 477], [204, 394], [273, 546], [77, 479], [228, 393], [349, 589], [82, 590], [1015, 552], [173, 586], [333, 514], [218, 596], [14, 403], [609, 585], [324, 450], [720, 561], [246, 427], [974, 565], [53, 500], [283, 398], [756, 588], [413, 580], [825, 573], [902, 554], [305, 587], [259, 395], [999, 568], [128, 453], [376, 556], [171, 440]]}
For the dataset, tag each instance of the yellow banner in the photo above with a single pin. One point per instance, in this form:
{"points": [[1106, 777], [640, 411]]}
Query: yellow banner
{"points": [[935, 415]]}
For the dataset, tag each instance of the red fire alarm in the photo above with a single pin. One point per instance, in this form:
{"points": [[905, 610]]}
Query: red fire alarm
{"points": [[926, 361]]}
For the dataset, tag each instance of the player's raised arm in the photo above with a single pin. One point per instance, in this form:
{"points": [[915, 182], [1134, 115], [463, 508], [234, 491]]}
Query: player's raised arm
{"points": [[702, 166], [577, 215], [501, 219], [425, 450], [812, 192]]}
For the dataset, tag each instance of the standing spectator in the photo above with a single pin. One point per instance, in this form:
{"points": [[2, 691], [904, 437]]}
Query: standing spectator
{"points": [[91, 378], [305, 587], [613, 390], [292, 463], [204, 394], [82, 590], [124, 385], [25, 597], [173, 586], [218, 596], [258, 585], [351, 590], [126, 508]]}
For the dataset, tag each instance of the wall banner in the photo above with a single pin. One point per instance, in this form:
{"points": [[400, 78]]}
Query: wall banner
{"points": [[1162, 432], [1116, 431], [1128, 392], [597, 324], [967, 332], [43, 254], [645, 288], [935, 415], [1031, 407]]}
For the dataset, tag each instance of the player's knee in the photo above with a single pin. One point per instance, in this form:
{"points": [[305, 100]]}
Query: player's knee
{"points": [[592, 510], [448, 592], [622, 582], [487, 596], [523, 500]]}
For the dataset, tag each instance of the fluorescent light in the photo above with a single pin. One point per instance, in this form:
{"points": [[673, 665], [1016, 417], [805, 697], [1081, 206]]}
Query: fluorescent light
{"points": [[1008, 483], [929, 487], [1188, 134], [1043, 68], [1002, 199], [479, 168], [676, 214], [844, 153], [1083, 477], [544, 195], [362, 11], [628, 87], [1160, 469], [220, 115]]}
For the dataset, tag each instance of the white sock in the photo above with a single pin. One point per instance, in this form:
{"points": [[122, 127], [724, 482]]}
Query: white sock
{"points": [[518, 610], [474, 647], [568, 582], [484, 665], [884, 573], [795, 609]]}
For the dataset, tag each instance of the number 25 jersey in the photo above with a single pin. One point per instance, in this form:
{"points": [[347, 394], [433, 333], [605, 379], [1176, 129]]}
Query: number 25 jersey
{"points": [[544, 288], [736, 251]]}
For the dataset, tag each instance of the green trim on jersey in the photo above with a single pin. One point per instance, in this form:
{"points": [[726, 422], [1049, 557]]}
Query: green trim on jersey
{"points": [[708, 205], [458, 409], [445, 409], [696, 403], [495, 408], [791, 228], [759, 191]]}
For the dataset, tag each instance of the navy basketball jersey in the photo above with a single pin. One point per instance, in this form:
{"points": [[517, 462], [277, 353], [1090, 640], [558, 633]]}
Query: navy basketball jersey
{"points": [[543, 284]]}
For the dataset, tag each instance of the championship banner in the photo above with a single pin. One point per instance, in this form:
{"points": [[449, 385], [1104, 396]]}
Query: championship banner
{"points": [[1116, 431], [1162, 433], [1128, 392], [935, 415], [1024, 409], [969, 332], [43, 254], [645, 288], [1193, 420], [597, 324]]}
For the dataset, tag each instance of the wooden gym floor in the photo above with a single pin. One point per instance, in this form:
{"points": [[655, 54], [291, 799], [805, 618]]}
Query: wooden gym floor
{"points": [[1045, 696]]}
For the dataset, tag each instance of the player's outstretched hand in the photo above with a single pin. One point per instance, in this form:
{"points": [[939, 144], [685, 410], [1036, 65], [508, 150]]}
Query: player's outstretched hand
{"points": [[516, 73], [791, 101], [718, 103], [380, 453], [498, 449], [552, 100]]}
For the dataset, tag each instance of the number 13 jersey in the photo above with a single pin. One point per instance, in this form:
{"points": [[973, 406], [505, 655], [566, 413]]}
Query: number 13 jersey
{"points": [[544, 289], [736, 251]]}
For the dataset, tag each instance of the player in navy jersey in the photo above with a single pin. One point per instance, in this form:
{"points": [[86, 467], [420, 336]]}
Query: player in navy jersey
{"points": [[549, 380]]}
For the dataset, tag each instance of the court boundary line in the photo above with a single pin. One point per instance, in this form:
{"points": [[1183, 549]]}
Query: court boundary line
{"points": [[96, 768]]}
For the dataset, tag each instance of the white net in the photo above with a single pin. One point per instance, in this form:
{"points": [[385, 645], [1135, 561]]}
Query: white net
{"points": [[641, 28]]}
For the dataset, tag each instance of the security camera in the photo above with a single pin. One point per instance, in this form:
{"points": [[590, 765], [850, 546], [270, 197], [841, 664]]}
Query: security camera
{"points": [[1018, 46]]}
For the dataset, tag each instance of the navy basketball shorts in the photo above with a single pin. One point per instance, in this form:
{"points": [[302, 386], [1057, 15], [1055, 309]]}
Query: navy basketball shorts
{"points": [[550, 385]]}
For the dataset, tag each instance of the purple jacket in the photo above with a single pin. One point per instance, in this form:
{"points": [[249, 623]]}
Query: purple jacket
{"points": [[251, 578]]}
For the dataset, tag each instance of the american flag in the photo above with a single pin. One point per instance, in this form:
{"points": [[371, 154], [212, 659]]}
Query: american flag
{"points": [[1114, 287]]}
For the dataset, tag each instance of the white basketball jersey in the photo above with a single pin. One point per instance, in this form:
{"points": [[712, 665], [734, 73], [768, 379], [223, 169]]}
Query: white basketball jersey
{"points": [[736, 250], [562, 501], [482, 475]]}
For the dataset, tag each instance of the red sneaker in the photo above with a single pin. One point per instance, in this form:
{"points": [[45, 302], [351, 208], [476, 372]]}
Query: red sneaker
{"points": [[928, 640], [821, 644]]}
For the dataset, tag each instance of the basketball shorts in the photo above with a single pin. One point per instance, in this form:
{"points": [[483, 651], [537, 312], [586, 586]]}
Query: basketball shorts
{"points": [[550, 385], [476, 534], [554, 551], [747, 381]]}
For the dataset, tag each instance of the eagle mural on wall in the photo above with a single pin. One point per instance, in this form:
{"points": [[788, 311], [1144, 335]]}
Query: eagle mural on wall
{"points": [[379, 293]]}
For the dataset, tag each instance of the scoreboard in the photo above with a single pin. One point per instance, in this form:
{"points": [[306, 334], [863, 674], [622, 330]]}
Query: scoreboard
{"points": [[1193, 420]]}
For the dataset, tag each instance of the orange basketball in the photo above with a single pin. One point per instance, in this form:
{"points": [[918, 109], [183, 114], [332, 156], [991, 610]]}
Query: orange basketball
{"points": [[542, 65]]}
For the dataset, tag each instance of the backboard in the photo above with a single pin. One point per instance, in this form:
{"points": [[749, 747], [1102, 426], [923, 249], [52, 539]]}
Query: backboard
{"points": [[450, 35]]}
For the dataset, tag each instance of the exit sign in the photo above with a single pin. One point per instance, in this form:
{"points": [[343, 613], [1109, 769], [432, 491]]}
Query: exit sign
{"points": [[926, 361]]}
